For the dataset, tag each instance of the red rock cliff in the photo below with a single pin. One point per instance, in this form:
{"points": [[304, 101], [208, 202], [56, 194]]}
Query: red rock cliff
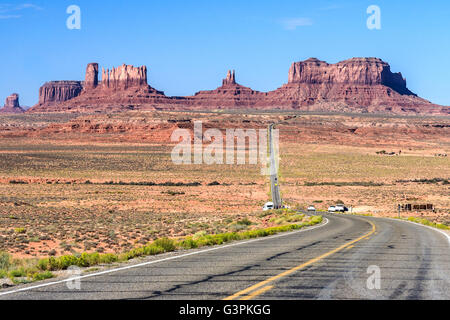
{"points": [[59, 91], [356, 71]]}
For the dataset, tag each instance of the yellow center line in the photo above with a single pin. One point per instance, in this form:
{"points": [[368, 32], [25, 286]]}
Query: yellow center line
{"points": [[257, 293], [302, 266]]}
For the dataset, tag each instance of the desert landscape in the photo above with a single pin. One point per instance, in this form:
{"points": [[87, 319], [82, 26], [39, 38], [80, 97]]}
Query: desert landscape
{"points": [[88, 169], [106, 182]]}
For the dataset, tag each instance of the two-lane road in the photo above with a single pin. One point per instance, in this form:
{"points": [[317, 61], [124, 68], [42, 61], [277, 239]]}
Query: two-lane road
{"points": [[326, 262]]}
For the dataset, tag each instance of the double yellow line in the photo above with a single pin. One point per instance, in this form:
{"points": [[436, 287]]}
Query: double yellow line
{"points": [[264, 286]]}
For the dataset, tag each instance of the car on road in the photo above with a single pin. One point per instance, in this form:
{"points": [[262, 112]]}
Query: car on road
{"points": [[340, 208], [268, 206], [332, 209], [311, 209]]}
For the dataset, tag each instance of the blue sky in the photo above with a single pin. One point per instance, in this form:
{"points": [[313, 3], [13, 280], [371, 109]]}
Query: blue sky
{"points": [[189, 45]]}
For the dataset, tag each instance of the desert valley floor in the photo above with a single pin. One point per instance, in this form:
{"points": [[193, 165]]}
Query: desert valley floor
{"points": [[106, 182]]}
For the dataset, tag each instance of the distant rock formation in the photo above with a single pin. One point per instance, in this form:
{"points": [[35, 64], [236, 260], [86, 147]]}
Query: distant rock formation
{"points": [[124, 77], [124, 86], [12, 105], [91, 79], [55, 92], [230, 94], [356, 71], [230, 79], [354, 85]]}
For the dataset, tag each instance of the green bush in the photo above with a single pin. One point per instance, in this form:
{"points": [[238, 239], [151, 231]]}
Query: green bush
{"points": [[5, 261], [154, 250], [188, 243], [18, 273], [108, 258], [42, 276], [20, 230], [165, 243], [429, 223]]}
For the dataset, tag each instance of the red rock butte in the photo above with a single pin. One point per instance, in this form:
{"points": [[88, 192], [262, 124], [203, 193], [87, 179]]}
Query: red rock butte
{"points": [[354, 85], [12, 105]]}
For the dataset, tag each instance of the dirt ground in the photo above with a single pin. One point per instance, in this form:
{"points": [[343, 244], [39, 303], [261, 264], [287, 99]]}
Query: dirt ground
{"points": [[98, 182]]}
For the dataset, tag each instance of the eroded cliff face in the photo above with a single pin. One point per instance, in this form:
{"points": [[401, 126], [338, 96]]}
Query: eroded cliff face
{"points": [[354, 85], [59, 91], [125, 86], [12, 104], [356, 71], [124, 77]]}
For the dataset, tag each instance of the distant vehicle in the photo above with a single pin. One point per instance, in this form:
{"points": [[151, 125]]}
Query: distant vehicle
{"points": [[268, 206], [332, 209], [340, 208], [311, 209]]}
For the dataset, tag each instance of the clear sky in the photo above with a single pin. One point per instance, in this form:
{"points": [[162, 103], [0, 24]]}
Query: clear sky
{"points": [[189, 45]]}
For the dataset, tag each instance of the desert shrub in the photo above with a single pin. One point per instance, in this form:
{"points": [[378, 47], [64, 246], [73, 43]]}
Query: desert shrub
{"points": [[165, 243], [134, 253], [18, 273], [88, 259], [5, 261], [108, 258], [244, 222], [65, 262], [42, 276], [20, 230], [429, 223], [199, 235], [153, 249], [43, 264], [188, 243], [316, 219]]}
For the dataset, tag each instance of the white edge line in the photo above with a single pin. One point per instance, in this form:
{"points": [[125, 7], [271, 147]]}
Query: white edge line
{"points": [[162, 260]]}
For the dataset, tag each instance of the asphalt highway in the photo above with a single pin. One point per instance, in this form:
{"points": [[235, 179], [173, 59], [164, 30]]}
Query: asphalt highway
{"points": [[349, 257]]}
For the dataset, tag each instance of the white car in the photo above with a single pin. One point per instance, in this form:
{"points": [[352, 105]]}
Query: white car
{"points": [[312, 208], [268, 206], [332, 209]]}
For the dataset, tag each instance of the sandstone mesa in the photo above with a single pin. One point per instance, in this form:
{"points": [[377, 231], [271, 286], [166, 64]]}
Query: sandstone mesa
{"points": [[358, 85]]}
